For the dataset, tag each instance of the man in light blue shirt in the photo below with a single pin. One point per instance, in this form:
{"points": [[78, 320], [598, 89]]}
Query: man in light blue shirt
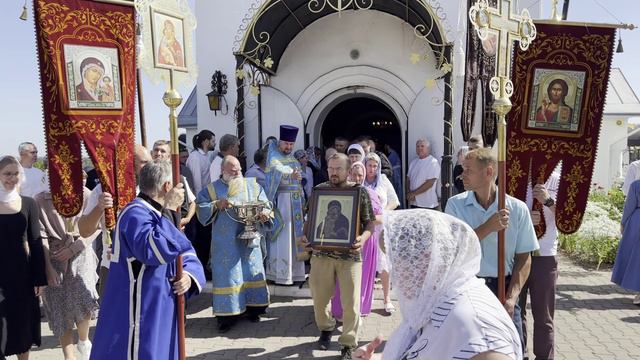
{"points": [[478, 207]]}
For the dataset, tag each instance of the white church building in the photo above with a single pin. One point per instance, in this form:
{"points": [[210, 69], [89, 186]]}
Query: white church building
{"points": [[371, 68], [374, 68]]}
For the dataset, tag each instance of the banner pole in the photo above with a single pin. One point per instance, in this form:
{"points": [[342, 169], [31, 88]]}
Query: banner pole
{"points": [[173, 99]]}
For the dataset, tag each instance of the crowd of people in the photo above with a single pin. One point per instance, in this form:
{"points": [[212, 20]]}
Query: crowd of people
{"points": [[441, 263]]}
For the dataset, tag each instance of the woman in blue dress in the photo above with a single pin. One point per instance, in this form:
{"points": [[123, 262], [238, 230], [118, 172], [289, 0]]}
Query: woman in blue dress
{"points": [[626, 270]]}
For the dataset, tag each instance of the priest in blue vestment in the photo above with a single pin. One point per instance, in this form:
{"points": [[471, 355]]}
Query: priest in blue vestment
{"points": [[239, 284], [285, 261], [138, 313]]}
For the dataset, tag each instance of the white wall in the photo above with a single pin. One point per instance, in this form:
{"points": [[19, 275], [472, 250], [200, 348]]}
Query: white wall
{"points": [[611, 150], [218, 22], [384, 42]]}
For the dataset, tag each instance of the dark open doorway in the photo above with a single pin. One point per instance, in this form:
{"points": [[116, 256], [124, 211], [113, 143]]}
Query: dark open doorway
{"points": [[363, 116]]}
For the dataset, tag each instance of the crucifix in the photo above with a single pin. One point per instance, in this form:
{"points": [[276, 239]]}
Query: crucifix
{"points": [[502, 27]]}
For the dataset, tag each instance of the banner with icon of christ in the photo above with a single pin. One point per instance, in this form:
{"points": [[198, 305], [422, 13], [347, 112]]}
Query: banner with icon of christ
{"points": [[560, 87]]}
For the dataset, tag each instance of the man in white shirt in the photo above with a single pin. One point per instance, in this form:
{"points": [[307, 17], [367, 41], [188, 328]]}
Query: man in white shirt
{"points": [[34, 177], [229, 145], [633, 174], [541, 284], [422, 177], [162, 151], [93, 216]]}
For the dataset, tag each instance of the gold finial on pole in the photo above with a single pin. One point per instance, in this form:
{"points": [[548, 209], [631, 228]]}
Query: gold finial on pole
{"points": [[555, 15]]}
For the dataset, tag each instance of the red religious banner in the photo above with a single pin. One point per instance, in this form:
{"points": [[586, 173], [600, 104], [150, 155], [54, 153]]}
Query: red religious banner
{"points": [[560, 86], [87, 73]]}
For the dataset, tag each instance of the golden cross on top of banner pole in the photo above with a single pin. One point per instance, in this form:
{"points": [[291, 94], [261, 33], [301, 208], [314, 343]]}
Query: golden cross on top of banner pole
{"points": [[502, 26]]}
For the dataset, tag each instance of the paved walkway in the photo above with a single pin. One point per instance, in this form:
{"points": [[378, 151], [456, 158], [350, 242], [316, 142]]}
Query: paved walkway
{"points": [[594, 320]]}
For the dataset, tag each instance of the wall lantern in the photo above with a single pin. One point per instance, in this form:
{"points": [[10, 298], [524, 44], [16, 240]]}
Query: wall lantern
{"points": [[219, 90]]}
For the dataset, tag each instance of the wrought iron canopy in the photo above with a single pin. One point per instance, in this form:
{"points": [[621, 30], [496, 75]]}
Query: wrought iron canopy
{"points": [[269, 28]]}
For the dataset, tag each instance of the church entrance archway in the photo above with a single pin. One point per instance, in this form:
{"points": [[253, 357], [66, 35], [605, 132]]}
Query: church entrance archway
{"points": [[362, 115]]}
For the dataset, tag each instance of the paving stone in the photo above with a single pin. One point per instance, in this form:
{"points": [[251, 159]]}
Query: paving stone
{"points": [[595, 319]]}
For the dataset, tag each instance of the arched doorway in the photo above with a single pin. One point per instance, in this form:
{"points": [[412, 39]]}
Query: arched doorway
{"points": [[362, 116]]}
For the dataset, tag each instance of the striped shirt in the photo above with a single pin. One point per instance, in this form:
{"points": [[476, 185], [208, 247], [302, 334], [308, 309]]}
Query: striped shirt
{"points": [[472, 323]]}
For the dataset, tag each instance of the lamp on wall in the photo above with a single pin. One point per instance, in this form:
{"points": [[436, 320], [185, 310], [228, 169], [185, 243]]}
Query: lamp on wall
{"points": [[218, 91]]}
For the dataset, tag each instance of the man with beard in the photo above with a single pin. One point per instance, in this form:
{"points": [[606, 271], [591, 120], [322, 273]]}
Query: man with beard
{"points": [[238, 279], [344, 266], [284, 190]]}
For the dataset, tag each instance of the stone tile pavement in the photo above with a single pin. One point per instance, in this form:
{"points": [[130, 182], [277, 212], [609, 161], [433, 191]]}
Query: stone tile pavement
{"points": [[594, 320]]}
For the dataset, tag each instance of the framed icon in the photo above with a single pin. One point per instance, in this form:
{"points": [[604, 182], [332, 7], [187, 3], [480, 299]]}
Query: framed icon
{"points": [[168, 40], [92, 77], [556, 100], [334, 221]]}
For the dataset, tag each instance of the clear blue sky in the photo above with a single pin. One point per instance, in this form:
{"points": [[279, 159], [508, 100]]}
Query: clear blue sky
{"points": [[20, 86]]}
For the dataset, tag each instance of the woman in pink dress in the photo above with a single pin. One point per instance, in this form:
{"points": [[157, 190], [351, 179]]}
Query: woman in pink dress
{"points": [[369, 252]]}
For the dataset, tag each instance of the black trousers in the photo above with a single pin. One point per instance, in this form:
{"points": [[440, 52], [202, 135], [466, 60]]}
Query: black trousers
{"points": [[202, 245], [437, 208]]}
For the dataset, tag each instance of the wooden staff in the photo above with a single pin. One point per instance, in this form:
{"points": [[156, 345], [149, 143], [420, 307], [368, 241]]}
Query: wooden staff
{"points": [[173, 99], [143, 126]]}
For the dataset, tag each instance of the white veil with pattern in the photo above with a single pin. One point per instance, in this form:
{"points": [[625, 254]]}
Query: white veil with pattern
{"points": [[435, 257]]}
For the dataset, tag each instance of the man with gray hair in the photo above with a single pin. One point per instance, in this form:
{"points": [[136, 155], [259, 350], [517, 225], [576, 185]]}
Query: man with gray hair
{"points": [[229, 145], [34, 177], [142, 274], [422, 177]]}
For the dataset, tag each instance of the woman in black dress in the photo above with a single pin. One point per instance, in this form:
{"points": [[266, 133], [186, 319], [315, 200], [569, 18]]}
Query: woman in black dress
{"points": [[22, 266]]}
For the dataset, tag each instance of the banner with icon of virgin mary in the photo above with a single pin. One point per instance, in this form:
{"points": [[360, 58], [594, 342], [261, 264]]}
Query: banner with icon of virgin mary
{"points": [[560, 87], [87, 71]]}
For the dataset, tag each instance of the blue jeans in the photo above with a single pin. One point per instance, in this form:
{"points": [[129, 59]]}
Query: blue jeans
{"points": [[492, 284]]}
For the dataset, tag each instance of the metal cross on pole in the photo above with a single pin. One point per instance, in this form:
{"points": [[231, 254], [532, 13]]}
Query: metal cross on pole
{"points": [[505, 27]]}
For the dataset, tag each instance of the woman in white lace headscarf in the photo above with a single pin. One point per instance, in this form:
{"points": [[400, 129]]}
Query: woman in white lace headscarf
{"points": [[447, 312]]}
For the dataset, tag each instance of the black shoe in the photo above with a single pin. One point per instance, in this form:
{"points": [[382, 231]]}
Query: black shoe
{"points": [[324, 342], [254, 318], [345, 353], [223, 328]]}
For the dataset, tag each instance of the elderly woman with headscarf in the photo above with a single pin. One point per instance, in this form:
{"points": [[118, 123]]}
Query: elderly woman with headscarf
{"points": [[369, 252], [379, 182], [355, 153], [447, 312], [22, 266], [306, 172], [314, 155]]}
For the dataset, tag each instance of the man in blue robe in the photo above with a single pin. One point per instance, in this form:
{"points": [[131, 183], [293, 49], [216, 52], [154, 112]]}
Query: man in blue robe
{"points": [[138, 313], [238, 278], [284, 190]]}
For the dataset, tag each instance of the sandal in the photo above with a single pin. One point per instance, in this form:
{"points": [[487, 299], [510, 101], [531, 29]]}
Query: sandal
{"points": [[389, 308]]}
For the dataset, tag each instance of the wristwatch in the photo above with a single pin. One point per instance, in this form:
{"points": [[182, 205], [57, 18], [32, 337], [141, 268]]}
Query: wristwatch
{"points": [[549, 202]]}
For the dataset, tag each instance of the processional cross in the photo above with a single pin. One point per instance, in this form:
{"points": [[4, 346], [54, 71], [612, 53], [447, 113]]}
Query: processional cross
{"points": [[505, 27]]}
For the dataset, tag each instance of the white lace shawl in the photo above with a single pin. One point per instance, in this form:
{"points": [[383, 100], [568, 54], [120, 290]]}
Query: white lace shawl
{"points": [[435, 257], [7, 196]]}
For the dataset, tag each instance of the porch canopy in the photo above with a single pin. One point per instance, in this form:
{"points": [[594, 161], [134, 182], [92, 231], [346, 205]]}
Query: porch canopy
{"points": [[266, 35], [267, 30]]}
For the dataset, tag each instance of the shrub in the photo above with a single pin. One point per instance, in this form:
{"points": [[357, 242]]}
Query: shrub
{"points": [[597, 239]]}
